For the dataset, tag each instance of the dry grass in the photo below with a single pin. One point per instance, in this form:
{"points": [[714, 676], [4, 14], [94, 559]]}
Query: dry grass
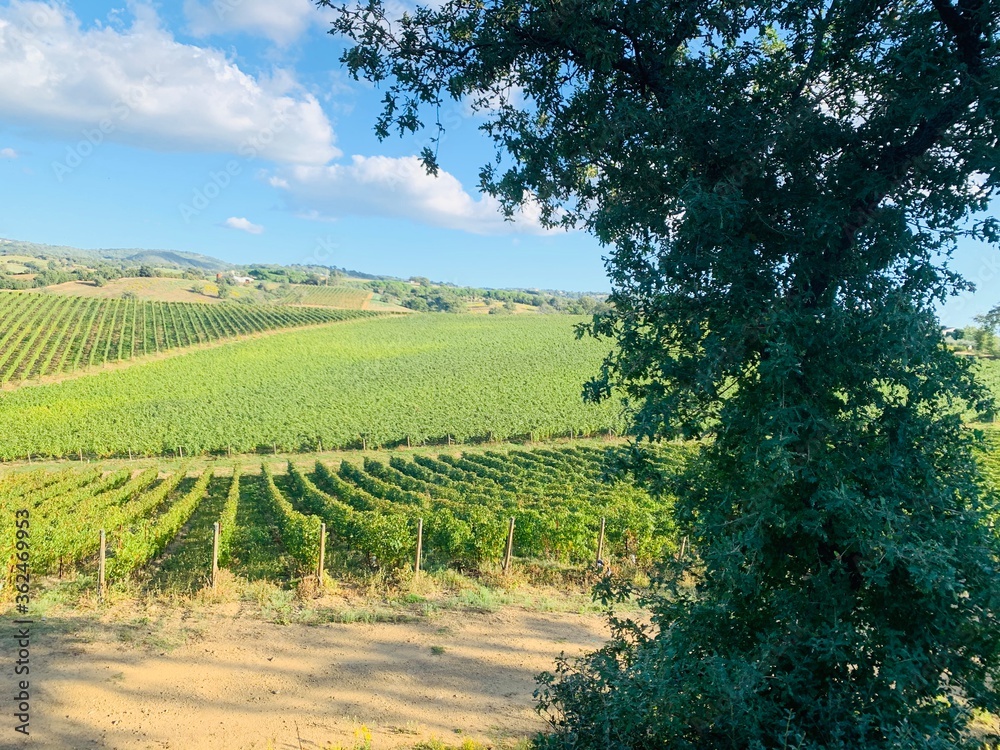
{"points": [[151, 288]]}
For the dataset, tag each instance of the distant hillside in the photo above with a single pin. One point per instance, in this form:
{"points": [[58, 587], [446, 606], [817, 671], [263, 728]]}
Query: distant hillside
{"points": [[168, 258], [131, 256], [32, 265]]}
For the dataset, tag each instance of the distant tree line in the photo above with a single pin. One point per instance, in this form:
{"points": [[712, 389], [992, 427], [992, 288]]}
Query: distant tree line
{"points": [[313, 275], [981, 338], [417, 293], [47, 273], [422, 295]]}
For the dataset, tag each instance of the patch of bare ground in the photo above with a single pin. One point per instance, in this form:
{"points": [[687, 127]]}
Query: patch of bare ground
{"points": [[188, 677]]}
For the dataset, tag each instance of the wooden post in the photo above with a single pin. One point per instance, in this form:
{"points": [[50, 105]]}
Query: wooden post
{"points": [[407, 441], [322, 553], [364, 443], [101, 566], [420, 544], [29, 458], [129, 454], [600, 542], [275, 446], [81, 455], [510, 546], [180, 451], [449, 438], [215, 554], [229, 451], [680, 553]]}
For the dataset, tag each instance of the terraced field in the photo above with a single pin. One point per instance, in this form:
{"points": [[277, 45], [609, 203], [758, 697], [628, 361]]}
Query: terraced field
{"points": [[43, 335]]}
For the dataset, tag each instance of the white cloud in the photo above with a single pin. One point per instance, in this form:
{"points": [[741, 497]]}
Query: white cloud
{"points": [[401, 188], [235, 222], [140, 86], [8, 153], [281, 21]]}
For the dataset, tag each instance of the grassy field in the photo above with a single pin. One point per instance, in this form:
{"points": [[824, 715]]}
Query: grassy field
{"points": [[14, 264], [381, 381]]}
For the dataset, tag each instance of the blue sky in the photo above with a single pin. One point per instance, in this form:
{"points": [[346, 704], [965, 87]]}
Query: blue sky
{"points": [[228, 127]]}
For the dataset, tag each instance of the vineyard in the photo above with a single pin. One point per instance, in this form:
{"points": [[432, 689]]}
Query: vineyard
{"points": [[459, 507], [368, 382], [51, 334], [557, 499], [343, 297]]}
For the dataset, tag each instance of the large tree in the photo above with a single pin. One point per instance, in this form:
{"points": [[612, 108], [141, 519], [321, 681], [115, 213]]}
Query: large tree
{"points": [[779, 186]]}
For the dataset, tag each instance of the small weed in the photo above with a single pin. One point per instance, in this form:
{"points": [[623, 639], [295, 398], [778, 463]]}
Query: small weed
{"points": [[435, 744], [545, 604], [275, 603], [362, 740], [227, 589], [453, 580], [483, 599], [437, 650], [307, 588], [350, 615], [409, 727]]}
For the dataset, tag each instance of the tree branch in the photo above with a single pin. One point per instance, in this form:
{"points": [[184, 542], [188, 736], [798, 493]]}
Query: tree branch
{"points": [[967, 27]]}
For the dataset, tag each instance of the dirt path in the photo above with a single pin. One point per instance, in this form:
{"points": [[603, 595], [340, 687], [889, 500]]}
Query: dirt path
{"points": [[196, 680]]}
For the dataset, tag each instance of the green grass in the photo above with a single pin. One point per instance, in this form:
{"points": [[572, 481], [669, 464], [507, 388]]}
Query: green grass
{"points": [[257, 551], [186, 565], [422, 377]]}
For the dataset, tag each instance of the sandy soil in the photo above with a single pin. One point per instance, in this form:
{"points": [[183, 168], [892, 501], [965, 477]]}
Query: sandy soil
{"points": [[196, 680]]}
